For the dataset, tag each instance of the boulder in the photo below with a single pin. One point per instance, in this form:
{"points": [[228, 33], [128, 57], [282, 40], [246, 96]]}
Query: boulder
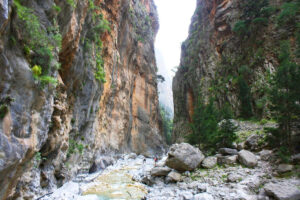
{"points": [[209, 162], [227, 160], [174, 177], [241, 146], [296, 158], [283, 168], [184, 157], [247, 158], [282, 191], [233, 177], [160, 171], [228, 151], [252, 142], [265, 155], [187, 195]]}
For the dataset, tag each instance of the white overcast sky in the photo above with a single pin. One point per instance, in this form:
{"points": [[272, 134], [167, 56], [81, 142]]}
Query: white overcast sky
{"points": [[174, 19]]}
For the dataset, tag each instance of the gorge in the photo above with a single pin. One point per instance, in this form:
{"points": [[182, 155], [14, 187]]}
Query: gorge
{"points": [[79, 104]]}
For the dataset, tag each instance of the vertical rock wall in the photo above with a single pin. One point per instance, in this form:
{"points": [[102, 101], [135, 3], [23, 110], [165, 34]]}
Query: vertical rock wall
{"points": [[51, 130], [232, 48]]}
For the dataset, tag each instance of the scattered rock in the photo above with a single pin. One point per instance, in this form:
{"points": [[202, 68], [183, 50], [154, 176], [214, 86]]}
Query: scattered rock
{"points": [[241, 146], [282, 191], [283, 168], [174, 177], [203, 196], [187, 195], [265, 155], [234, 178], [228, 151], [160, 171], [247, 158], [227, 160], [132, 156], [296, 158], [209, 162], [252, 142], [147, 180], [184, 157], [198, 186]]}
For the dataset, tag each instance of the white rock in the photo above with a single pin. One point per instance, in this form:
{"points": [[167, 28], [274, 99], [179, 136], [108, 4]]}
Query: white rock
{"points": [[203, 196], [247, 158], [174, 177], [283, 168], [184, 157], [209, 162], [282, 191]]}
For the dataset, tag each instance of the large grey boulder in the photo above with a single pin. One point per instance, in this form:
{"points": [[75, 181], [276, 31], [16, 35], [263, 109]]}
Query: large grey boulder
{"points": [[209, 162], [283, 168], [247, 158], [184, 157], [160, 171], [266, 155], [227, 160], [228, 151], [174, 177], [282, 191]]}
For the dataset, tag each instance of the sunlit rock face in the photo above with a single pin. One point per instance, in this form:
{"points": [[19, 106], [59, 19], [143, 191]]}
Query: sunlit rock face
{"points": [[52, 131], [218, 60]]}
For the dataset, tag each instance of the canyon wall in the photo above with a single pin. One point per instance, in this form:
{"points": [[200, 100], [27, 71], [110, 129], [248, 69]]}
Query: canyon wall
{"points": [[232, 49], [77, 85]]}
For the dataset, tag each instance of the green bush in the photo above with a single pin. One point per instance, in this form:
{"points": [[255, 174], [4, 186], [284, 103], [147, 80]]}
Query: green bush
{"points": [[3, 110], [71, 3], [245, 98], [288, 13], [241, 28], [260, 21], [167, 123]]}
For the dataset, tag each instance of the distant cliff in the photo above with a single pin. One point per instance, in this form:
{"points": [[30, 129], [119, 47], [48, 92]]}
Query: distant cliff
{"points": [[232, 49], [77, 82]]}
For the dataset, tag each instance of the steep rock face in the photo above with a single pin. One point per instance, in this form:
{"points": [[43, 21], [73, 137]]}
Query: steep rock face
{"points": [[232, 48], [104, 100]]}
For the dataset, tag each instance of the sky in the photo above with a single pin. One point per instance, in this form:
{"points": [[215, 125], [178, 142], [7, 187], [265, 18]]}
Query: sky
{"points": [[174, 21]]}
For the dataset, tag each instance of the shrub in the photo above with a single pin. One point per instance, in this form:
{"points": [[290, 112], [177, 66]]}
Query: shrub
{"points": [[241, 28], [3, 110], [36, 70], [288, 12], [260, 21], [167, 123], [48, 80], [71, 3]]}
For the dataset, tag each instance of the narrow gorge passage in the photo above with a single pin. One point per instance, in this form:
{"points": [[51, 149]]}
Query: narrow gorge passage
{"points": [[86, 100]]}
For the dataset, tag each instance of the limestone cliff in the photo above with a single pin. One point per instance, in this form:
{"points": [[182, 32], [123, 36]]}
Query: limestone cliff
{"points": [[232, 48], [77, 83]]}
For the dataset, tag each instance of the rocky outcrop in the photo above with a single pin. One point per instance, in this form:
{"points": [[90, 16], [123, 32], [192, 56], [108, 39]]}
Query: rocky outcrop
{"points": [[231, 50], [78, 82], [184, 157]]}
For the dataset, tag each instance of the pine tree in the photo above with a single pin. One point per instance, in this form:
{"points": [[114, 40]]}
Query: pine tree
{"points": [[285, 94], [226, 133]]}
